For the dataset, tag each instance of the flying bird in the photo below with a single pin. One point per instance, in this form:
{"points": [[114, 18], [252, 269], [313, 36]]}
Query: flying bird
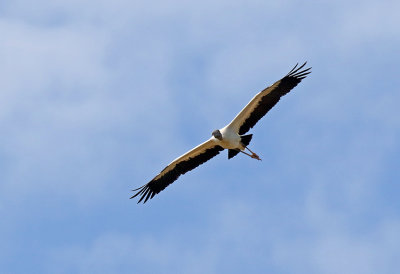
{"points": [[231, 137]]}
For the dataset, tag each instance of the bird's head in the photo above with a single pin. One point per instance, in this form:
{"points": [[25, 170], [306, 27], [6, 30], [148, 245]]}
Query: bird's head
{"points": [[217, 134]]}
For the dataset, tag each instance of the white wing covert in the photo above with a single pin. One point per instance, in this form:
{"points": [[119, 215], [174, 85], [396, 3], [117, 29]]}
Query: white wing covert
{"points": [[188, 161], [267, 99]]}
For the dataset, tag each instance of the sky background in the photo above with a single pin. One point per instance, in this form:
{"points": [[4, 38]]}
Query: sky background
{"points": [[96, 97]]}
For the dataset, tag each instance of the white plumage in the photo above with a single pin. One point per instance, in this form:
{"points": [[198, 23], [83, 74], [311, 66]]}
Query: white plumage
{"points": [[230, 137]]}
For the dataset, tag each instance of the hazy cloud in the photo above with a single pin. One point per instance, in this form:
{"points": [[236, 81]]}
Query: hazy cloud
{"points": [[97, 97]]}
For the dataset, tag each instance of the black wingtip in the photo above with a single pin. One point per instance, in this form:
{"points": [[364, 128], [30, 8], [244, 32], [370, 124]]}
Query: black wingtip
{"points": [[145, 192], [296, 71], [292, 69], [140, 191]]}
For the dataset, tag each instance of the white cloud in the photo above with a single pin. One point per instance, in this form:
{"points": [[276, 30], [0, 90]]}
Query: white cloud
{"points": [[124, 253], [369, 22], [336, 246], [88, 89], [62, 103], [240, 235]]}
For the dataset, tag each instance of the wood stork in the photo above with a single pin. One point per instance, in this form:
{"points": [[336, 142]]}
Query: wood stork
{"points": [[230, 137]]}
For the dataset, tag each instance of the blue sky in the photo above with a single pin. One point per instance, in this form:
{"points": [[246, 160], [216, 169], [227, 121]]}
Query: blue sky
{"points": [[98, 96]]}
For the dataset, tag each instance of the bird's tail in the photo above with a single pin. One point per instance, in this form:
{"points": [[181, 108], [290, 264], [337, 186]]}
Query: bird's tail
{"points": [[245, 140], [232, 153]]}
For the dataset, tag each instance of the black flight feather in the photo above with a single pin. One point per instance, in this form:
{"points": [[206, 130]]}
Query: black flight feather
{"points": [[155, 186], [269, 100]]}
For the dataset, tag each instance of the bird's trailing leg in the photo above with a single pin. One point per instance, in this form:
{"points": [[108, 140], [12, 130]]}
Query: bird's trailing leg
{"points": [[252, 155]]}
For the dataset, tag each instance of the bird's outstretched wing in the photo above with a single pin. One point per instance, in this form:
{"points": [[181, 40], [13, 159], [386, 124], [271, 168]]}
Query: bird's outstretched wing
{"points": [[266, 99], [190, 160]]}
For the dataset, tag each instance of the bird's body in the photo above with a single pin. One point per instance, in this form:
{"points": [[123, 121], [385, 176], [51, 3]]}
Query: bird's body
{"points": [[231, 137]]}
